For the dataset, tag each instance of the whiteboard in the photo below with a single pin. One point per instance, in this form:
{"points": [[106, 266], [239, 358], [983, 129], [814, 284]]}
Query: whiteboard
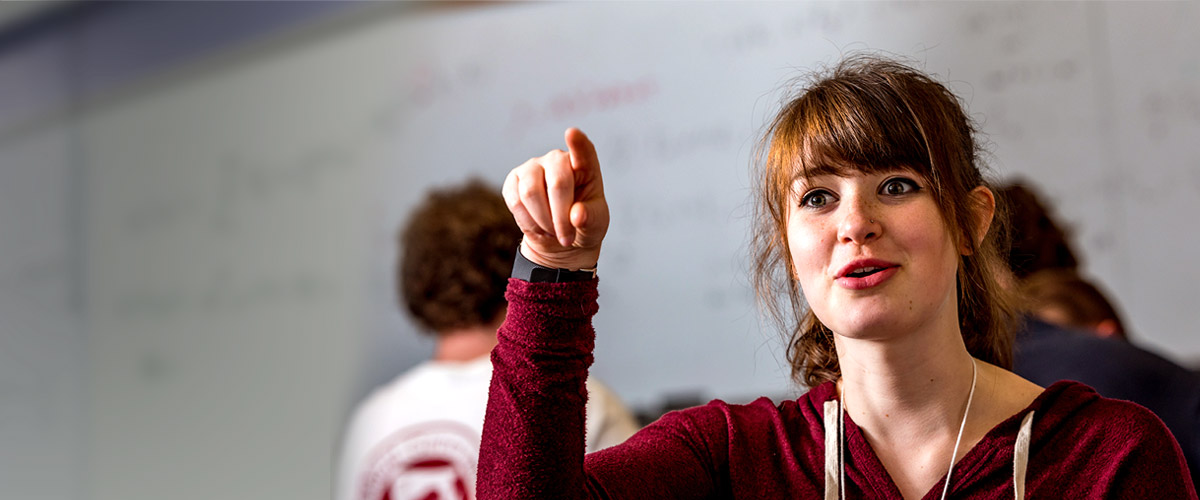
{"points": [[42, 344], [241, 221], [1069, 97]]}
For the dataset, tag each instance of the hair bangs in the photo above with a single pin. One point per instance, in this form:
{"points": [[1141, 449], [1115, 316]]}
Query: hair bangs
{"points": [[843, 126]]}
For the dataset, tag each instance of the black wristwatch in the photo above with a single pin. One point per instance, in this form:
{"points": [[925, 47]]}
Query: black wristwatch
{"points": [[525, 269]]}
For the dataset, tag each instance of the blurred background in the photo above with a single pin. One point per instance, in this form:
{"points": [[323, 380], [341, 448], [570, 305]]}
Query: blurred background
{"points": [[198, 201]]}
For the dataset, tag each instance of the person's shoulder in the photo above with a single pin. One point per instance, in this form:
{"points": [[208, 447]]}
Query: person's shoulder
{"points": [[602, 400], [1037, 333], [609, 421], [600, 395], [1138, 356], [1072, 408], [1040, 336], [1121, 413], [1101, 447], [380, 397], [1168, 370], [1051, 351], [434, 374], [426, 382], [596, 388]]}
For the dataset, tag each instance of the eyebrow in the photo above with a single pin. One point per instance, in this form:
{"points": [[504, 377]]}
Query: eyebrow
{"points": [[818, 171], [847, 170]]}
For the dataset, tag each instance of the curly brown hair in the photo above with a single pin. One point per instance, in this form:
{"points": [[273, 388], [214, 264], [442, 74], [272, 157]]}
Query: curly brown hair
{"points": [[873, 114], [457, 252]]}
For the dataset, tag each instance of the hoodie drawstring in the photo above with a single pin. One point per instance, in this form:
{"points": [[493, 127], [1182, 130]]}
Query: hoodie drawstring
{"points": [[833, 462], [1021, 455]]}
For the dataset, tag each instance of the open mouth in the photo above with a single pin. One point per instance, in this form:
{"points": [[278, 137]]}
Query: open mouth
{"points": [[864, 272]]}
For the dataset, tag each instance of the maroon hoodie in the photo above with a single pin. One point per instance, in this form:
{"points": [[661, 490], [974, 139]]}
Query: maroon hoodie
{"points": [[1082, 445]]}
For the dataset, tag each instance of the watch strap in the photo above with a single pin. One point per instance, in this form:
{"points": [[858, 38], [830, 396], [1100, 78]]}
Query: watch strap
{"points": [[525, 269]]}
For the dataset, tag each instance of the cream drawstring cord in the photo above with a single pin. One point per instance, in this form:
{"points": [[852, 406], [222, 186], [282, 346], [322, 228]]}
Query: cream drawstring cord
{"points": [[834, 448]]}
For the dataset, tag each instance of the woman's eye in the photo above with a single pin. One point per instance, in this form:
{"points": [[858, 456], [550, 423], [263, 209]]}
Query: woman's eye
{"points": [[899, 186], [816, 199]]}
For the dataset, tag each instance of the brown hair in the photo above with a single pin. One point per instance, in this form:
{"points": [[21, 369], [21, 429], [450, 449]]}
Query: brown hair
{"points": [[457, 252], [872, 114], [1081, 303]]}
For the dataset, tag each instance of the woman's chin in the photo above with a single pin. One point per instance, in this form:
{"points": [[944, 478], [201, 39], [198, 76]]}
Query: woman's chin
{"points": [[869, 326]]}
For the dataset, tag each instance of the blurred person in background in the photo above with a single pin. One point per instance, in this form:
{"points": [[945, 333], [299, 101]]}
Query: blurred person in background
{"points": [[1046, 352], [1038, 242], [1064, 298], [417, 437]]}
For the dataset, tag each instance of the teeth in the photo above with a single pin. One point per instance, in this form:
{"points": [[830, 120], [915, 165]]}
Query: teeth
{"points": [[863, 271]]}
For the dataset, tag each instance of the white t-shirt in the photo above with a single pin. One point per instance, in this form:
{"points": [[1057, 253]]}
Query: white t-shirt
{"points": [[417, 438]]}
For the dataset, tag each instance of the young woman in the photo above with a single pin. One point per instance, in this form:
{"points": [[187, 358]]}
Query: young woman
{"points": [[877, 225]]}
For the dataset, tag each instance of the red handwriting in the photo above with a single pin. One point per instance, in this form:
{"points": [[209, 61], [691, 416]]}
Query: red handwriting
{"points": [[580, 102]]}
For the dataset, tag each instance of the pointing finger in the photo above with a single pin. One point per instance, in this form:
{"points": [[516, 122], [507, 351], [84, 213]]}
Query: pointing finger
{"points": [[583, 155]]}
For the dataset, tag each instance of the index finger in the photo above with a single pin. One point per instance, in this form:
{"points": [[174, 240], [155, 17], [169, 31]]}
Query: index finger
{"points": [[583, 155]]}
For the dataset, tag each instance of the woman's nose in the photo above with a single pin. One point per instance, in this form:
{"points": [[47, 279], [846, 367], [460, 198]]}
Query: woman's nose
{"points": [[858, 225]]}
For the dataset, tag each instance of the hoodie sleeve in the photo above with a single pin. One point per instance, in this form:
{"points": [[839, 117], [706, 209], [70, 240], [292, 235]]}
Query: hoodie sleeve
{"points": [[533, 433]]}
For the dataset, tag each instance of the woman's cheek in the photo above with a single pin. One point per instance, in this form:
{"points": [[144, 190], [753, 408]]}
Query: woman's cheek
{"points": [[806, 252]]}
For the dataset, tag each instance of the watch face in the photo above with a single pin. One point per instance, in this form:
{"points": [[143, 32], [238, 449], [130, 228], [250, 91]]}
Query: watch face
{"points": [[541, 274]]}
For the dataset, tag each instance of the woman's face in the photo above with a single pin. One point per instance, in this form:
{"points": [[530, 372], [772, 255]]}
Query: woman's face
{"points": [[872, 253]]}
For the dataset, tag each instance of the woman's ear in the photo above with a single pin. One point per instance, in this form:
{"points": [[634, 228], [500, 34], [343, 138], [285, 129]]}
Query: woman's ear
{"points": [[983, 209]]}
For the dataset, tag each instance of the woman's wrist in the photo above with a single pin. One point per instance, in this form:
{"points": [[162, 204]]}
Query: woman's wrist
{"points": [[529, 270], [573, 259]]}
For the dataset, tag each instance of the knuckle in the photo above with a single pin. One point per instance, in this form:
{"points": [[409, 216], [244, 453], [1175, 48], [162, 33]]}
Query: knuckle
{"points": [[524, 168], [555, 181], [556, 156], [528, 189], [559, 176], [510, 193]]}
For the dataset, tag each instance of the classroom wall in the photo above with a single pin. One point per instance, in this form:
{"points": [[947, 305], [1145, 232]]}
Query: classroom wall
{"points": [[210, 243]]}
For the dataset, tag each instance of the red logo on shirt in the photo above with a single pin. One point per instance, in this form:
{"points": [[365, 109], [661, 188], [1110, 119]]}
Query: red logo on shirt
{"points": [[427, 461]]}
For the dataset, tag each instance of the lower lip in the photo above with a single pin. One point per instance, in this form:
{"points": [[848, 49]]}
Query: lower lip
{"points": [[866, 282]]}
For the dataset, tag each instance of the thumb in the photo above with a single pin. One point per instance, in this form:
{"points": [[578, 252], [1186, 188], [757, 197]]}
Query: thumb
{"points": [[590, 219]]}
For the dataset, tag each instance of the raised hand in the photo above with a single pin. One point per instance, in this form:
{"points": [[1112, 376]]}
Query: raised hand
{"points": [[558, 201]]}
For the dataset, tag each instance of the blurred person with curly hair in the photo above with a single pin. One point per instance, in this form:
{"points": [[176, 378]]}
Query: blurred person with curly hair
{"points": [[419, 435]]}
